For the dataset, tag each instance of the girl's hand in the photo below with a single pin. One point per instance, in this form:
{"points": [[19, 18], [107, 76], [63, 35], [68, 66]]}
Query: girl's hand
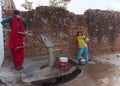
{"points": [[87, 39]]}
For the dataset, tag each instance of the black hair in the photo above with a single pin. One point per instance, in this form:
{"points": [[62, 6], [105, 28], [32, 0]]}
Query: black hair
{"points": [[79, 32], [17, 12]]}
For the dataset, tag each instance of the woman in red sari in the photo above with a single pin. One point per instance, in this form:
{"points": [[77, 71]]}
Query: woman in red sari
{"points": [[16, 41]]}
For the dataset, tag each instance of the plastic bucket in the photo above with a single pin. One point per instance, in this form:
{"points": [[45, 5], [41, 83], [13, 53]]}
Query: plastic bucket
{"points": [[63, 61]]}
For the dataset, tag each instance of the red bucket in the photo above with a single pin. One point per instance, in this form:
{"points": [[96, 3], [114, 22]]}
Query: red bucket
{"points": [[63, 61]]}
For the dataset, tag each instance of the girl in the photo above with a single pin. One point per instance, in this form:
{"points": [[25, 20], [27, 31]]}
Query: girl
{"points": [[83, 47]]}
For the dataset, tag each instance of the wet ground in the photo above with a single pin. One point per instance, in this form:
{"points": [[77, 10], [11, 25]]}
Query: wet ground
{"points": [[104, 72], [101, 71], [97, 75]]}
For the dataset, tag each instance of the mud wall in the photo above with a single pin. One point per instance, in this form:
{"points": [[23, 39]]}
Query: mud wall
{"points": [[102, 27]]}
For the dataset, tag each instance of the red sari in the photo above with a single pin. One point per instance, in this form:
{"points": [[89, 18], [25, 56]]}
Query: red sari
{"points": [[16, 42]]}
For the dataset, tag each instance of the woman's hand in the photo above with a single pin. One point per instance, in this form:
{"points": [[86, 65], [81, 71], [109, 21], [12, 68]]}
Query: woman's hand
{"points": [[26, 32]]}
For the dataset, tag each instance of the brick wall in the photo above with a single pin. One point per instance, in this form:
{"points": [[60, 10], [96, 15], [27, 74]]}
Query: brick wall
{"points": [[102, 27], [104, 31], [6, 13], [51, 21]]}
